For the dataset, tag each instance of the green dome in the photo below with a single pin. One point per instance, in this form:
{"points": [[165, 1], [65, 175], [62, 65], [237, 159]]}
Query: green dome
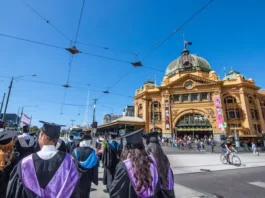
{"points": [[188, 62]]}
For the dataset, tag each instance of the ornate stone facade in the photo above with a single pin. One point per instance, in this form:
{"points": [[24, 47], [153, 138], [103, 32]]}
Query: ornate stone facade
{"points": [[193, 99]]}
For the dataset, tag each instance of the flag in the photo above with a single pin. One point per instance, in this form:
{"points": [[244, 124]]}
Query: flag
{"points": [[25, 119], [187, 43]]}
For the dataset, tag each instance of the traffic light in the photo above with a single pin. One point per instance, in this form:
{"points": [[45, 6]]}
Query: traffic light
{"points": [[94, 125]]}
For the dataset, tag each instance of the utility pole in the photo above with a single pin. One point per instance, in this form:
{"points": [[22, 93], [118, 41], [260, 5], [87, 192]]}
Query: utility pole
{"points": [[22, 111], [87, 107], [94, 110], [30, 120], [3, 100], [7, 100]]}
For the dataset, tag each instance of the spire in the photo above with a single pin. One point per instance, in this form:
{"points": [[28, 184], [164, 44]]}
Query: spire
{"points": [[185, 50]]}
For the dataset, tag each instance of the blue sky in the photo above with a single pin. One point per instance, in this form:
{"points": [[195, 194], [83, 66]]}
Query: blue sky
{"points": [[227, 34]]}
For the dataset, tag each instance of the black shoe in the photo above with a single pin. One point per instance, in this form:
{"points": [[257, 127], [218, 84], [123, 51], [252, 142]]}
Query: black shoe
{"points": [[105, 191]]}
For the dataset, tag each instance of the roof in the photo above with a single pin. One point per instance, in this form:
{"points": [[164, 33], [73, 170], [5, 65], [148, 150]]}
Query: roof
{"points": [[187, 59], [262, 92], [130, 120], [232, 75]]}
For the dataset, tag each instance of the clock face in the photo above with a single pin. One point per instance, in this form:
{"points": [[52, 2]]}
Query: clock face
{"points": [[188, 84]]}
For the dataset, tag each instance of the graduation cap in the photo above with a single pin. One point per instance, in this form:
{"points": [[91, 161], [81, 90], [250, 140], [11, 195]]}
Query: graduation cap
{"points": [[25, 128], [6, 136], [86, 136], [151, 137], [50, 129], [134, 137]]}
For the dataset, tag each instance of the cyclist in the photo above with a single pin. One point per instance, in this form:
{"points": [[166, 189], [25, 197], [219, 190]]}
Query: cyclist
{"points": [[227, 147]]}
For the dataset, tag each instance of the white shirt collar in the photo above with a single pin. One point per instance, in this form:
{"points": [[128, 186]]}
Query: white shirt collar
{"points": [[47, 152], [26, 136], [85, 143]]}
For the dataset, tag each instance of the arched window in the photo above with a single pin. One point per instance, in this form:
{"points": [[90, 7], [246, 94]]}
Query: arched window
{"points": [[232, 114], [140, 111], [253, 108], [229, 100]]}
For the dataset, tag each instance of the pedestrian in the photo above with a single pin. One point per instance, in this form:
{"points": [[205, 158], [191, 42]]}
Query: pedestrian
{"points": [[165, 172], [70, 144], [8, 159], [25, 143], [254, 148], [212, 143], [99, 147], [61, 146], [87, 165], [198, 144], [111, 157], [47, 173], [136, 175]]}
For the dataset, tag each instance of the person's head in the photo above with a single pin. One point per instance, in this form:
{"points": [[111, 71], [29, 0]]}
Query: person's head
{"points": [[112, 136], [25, 129], [71, 137], [49, 134], [135, 151], [6, 148], [154, 148]]}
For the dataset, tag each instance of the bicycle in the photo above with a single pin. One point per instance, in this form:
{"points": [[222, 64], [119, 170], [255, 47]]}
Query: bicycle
{"points": [[233, 159]]}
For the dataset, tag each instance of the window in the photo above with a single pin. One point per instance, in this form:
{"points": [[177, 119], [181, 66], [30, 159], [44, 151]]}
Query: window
{"points": [[231, 114], [257, 127], [156, 105], [237, 113], [254, 114], [157, 116], [230, 100], [250, 100], [176, 98], [185, 97], [204, 96], [194, 97]]}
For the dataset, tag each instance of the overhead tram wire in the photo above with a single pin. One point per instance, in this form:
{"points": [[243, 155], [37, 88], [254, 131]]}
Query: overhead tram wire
{"points": [[47, 21], [31, 41], [107, 48], [79, 22], [177, 29]]}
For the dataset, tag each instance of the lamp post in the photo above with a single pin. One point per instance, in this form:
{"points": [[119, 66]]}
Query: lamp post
{"points": [[9, 91]]}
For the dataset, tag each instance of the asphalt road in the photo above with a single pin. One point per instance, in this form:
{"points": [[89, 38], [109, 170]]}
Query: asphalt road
{"points": [[242, 183]]}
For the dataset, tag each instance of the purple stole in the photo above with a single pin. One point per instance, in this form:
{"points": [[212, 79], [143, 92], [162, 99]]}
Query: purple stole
{"points": [[144, 192], [61, 185], [170, 177]]}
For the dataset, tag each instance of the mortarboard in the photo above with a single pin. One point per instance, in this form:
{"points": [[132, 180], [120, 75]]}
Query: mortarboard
{"points": [[25, 128], [6, 136], [134, 137], [86, 136], [50, 129], [151, 137]]}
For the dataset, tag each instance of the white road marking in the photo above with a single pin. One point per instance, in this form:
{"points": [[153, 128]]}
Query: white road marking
{"points": [[258, 183]]}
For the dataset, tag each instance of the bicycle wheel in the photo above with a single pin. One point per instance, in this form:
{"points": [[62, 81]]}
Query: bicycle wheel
{"points": [[223, 159], [236, 161]]}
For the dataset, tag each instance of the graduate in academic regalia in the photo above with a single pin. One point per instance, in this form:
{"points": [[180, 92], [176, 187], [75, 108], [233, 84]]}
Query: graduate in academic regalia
{"points": [[148, 135], [47, 173], [8, 159], [25, 143], [111, 157], [165, 172], [61, 146], [87, 165], [136, 175]]}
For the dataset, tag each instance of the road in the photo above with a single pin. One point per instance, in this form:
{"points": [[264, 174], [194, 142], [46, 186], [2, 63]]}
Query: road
{"points": [[243, 183]]}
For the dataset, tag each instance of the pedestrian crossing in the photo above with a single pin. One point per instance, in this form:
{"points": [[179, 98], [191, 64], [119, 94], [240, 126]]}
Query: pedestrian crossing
{"points": [[258, 183]]}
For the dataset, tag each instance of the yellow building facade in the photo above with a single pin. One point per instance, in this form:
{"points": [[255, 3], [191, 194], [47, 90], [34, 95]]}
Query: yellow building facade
{"points": [[192, 99]]}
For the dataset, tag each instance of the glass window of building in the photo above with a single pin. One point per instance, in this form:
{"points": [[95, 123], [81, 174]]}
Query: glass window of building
{"points": [[231, 114], [194, 97], [185, 97], [204, 96], [230, 100], [176, 98]]}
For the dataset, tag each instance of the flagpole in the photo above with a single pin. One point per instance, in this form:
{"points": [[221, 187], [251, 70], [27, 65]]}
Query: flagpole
{"points": [[183, 36]]}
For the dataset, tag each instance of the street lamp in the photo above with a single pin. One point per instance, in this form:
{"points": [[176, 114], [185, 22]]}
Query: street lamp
{"points": [[9, 91]]}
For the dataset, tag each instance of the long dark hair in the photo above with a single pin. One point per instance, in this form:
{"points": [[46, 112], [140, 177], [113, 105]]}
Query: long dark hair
{"points": [[161, 161], [140, 164]]}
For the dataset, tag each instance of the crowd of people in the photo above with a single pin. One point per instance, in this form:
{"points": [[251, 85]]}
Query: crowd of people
{"points": [[47, 166]]}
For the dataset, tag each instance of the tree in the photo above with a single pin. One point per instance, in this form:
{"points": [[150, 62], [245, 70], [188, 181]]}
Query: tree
{"points": [[34, 129]]}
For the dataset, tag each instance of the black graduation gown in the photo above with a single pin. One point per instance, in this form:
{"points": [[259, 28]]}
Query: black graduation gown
{"points": [[16, 189], [4, 177], [122, 187], [111, 157], [23, 151], [88, 171], [168, 193], [62, 146]]}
